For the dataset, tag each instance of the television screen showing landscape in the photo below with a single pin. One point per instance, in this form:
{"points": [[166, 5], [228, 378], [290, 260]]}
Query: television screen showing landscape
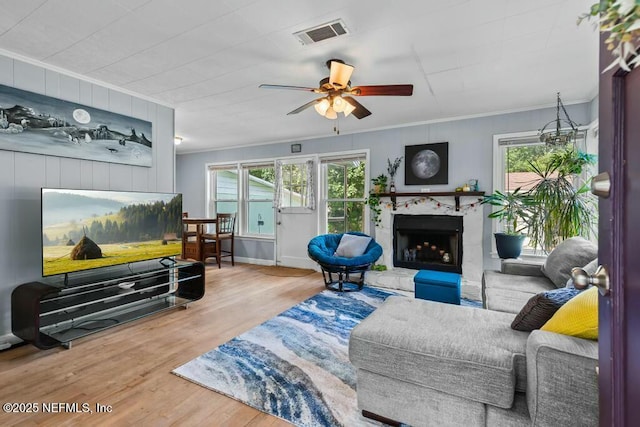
{"points": [[85, 229]]}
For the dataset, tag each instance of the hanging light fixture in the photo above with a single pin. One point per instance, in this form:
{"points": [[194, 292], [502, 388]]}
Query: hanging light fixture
{"points": [[338, 104], [331, 114], [564, 131], [348, 109], [322, 106], [330, 106]]}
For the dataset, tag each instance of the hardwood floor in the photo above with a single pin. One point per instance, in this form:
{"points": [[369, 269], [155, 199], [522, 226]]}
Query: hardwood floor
{"points": [[129, 367]]}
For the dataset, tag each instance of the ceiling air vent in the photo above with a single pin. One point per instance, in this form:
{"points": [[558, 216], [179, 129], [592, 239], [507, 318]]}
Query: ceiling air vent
{"points": [[322, 32]]}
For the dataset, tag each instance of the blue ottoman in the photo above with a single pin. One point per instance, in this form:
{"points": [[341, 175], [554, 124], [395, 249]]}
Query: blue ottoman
{"points": [[437, 286]]}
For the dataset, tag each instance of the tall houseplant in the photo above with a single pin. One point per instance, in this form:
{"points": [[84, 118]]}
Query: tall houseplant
{"points": [[513, 210], [563, 206]]}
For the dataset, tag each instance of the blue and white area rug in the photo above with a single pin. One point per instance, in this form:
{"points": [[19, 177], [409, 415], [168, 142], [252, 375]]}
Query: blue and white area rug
{"points": [[296, 365]]}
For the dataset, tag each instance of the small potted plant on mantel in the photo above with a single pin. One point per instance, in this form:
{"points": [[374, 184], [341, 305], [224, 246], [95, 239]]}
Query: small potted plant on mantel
{"points": [[514, 212], [379, 183]]}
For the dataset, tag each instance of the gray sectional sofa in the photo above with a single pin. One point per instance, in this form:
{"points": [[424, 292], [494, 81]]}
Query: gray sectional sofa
{"points": [[425, 363]]}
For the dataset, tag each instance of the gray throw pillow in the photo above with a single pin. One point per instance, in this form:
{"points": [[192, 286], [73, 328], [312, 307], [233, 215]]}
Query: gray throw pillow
{"points": [[352, 246], [573, 252]]}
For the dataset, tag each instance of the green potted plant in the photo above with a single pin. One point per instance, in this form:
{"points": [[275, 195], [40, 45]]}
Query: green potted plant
{"points": [[562, 206], [379, 187], [379, 183], [513, 210], [374, 205]]}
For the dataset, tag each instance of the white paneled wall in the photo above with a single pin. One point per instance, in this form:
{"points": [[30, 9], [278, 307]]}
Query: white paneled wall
{"points": [[23, 174]]}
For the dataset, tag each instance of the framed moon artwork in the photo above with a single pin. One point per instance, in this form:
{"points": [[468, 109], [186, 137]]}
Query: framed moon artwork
{"points": [[40, 124], [426, 164]]}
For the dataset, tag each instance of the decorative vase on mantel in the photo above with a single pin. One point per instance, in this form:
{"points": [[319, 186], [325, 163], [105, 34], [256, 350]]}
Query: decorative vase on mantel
{"points": [[392, 168]]}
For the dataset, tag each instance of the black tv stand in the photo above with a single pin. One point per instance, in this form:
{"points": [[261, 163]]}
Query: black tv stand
{"points": [[54, 314], [167, 261]]}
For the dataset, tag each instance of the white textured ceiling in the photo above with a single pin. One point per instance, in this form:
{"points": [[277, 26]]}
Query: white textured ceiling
{"points": [[206, 58]]}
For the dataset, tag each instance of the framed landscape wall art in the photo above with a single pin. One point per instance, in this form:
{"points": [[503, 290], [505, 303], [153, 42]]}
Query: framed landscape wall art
{"points": [[426, 164], [40, 124]]}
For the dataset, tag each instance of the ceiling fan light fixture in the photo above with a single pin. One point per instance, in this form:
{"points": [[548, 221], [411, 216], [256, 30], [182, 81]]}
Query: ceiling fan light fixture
{"points": [[340, 74], [322, 106], [338, 104], [331, 114], [348, 109], [336, 93]]}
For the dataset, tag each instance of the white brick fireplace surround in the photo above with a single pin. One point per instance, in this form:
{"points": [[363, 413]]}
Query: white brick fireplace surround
{"points": [[472, 256]]}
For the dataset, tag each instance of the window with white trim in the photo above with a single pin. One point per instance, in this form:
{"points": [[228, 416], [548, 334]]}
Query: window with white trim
{"points": [[250, 190], [223, 189], [294, 184], [512, 154], [259, 185], [344, 193]]}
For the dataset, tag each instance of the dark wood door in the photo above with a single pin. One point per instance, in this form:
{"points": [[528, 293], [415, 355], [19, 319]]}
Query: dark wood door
{"points": [[619, 245]]}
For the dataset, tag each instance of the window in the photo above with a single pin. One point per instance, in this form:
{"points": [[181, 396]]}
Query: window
{"points": [[249, 194], [344, 194], [260, 189], [223, 190], [294, 185], [250, 190], [512, 170]]}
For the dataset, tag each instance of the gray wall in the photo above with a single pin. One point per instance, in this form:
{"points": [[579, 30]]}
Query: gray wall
{"points": [[22, 174], [470, 156]]}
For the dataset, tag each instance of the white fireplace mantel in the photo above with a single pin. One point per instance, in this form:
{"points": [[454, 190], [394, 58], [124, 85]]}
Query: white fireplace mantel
{"points": [[429, 204]]}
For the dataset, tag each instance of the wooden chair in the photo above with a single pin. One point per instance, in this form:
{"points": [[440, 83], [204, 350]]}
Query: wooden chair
{"points": [[212, 243]]}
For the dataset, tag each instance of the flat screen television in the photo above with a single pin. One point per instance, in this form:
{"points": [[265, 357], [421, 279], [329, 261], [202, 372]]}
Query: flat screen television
{"points": [[86, 229]]}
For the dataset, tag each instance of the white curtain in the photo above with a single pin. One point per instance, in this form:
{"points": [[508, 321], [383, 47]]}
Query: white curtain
{"points": [[311, 194], [277, 196]]}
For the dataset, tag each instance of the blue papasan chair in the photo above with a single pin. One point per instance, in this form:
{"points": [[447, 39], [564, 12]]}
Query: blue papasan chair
{"points": [[337, 270]]}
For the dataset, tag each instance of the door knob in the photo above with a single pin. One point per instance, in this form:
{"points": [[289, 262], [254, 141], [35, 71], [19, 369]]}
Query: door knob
{"points": [[601, 185], [279, 223], [600, 279]]}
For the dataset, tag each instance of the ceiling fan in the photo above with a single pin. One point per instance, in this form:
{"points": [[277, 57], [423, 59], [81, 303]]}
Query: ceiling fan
{"points": [[338, 92]]}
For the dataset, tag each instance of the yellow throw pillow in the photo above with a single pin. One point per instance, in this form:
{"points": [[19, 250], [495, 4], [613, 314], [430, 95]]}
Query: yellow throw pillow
{"points": [[578, 317]]}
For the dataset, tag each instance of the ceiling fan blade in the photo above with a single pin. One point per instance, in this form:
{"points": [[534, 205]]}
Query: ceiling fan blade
{"points": [[383, 90], [307, 89], [305, 106], [340, 74], [360, 111]]}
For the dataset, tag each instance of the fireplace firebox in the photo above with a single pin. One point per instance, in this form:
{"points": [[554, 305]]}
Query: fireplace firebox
{"points": [[429, 242]]}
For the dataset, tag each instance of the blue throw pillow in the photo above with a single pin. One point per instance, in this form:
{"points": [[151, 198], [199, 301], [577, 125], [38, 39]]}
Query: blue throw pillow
{"points": [[541, 307]]}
